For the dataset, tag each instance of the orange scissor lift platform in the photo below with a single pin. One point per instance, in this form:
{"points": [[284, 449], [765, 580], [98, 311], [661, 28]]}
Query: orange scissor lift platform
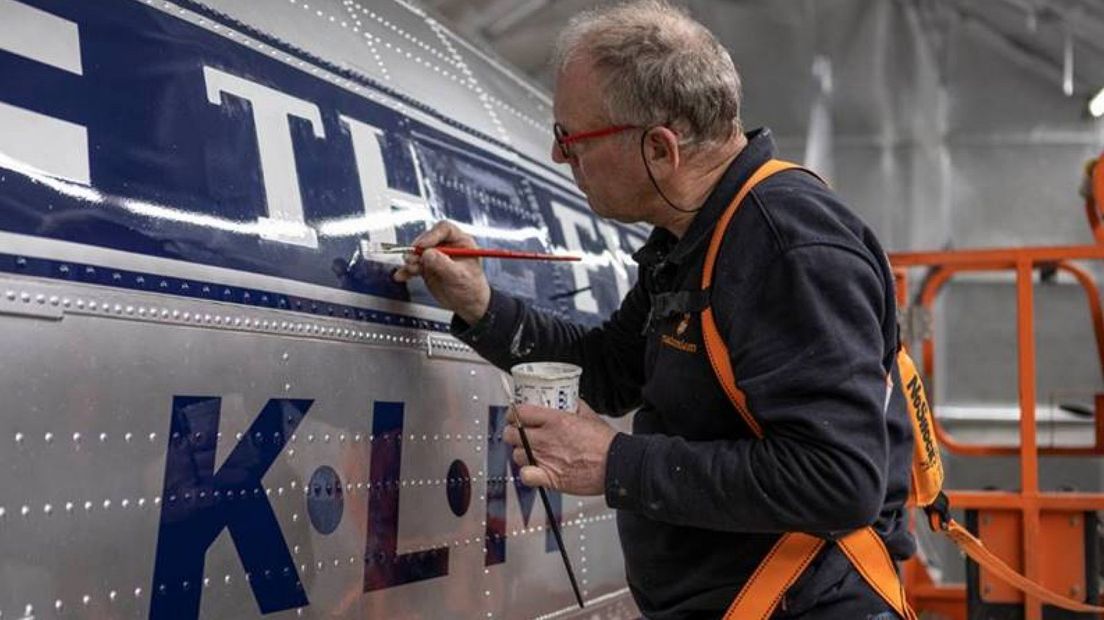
{"points": [[1041, 533]]}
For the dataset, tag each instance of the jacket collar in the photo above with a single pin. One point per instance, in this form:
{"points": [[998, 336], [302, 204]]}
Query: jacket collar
{"points": [[663, 245]]}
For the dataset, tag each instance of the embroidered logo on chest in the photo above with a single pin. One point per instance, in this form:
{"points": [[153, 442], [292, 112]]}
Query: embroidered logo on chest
{"points": [[676, 341]]}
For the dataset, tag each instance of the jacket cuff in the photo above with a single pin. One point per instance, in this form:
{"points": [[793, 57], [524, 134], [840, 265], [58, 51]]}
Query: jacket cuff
{"points": [[624, 465], [493, 330]]}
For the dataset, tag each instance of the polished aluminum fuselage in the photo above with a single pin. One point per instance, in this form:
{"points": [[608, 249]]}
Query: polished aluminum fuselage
{"points": [[208, 412]]}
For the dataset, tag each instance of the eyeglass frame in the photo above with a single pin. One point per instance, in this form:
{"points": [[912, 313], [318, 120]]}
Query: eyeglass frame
{"points": [[564, 139]]}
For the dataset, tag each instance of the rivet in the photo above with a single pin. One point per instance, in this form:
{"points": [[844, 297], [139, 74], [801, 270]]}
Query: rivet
{"points": [[10, 295], [128, 437], [86, 599], [48, 509], [69, 507], [49, 437], [103, 437], [87, 506], [19, 438], [58, 605], [152, 437], [111, 595], [137, 592], [76, 437]]}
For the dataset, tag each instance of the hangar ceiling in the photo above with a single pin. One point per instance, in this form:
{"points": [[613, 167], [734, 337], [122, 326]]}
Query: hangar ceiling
{"points": [[1041, 33]]}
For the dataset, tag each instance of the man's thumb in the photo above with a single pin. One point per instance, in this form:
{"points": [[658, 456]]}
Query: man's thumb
{"points": [[535, 477]]}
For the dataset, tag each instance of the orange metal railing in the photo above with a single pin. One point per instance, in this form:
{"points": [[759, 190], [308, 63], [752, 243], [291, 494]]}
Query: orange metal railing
{"points": [[1034, 511]]}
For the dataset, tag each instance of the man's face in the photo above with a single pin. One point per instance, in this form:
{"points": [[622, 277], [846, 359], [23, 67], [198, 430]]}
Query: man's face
{"points": [[607, 168]]}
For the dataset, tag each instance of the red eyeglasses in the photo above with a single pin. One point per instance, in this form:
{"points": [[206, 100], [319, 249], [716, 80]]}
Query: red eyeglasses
{"points": [[564, 140]]}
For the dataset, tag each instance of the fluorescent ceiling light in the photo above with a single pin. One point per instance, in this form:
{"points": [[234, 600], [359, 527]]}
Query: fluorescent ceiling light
{"points": [[1096, 106]]}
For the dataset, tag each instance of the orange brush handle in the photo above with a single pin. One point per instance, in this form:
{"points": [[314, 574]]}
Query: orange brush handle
{"points": [[490, 253]]}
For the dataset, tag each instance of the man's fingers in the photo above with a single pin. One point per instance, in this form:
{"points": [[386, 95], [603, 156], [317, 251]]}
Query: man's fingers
{"points": [[405, 273], [586, 411], [531, 416], [444, 233], [536, 477], [437, 233], [511, 436], [520, 458]]}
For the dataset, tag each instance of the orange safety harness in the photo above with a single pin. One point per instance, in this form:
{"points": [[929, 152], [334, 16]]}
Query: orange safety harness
{"points": [[863, 547]]}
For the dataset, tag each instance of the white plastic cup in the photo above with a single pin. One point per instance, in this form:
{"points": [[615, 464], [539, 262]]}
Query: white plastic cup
{"points": [[549, 384]]}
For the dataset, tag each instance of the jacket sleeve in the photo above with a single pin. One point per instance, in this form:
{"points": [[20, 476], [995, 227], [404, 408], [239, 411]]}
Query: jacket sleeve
{"points": [[810, 363], [611, 355]]}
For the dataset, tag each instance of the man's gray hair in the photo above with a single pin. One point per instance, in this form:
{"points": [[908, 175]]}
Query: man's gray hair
{"points": [[658, 66]]}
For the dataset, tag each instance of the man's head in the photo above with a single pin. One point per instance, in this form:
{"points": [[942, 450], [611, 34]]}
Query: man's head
{"points": [[648, 66]]}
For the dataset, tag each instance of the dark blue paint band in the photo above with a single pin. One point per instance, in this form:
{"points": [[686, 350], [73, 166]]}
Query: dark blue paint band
{"points": [[85, 273]]}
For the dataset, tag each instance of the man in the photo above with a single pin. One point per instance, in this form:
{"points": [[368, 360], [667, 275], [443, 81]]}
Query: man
{"points": [[647, 115]]}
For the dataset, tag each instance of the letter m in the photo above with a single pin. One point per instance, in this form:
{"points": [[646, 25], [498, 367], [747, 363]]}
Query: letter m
{"points": [[197, 503]]}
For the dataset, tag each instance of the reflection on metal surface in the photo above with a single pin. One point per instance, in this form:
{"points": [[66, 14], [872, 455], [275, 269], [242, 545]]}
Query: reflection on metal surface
{"points": [[205, 419]]}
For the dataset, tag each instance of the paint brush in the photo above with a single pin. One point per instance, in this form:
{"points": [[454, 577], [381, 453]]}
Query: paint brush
{"points": [[553, 522], [368, 247]]}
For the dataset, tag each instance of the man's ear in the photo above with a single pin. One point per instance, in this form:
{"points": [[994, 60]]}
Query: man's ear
{"points": [[661, 151]]}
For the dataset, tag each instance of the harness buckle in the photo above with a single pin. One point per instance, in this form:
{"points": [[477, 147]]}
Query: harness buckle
{"points": [[939, 512]]}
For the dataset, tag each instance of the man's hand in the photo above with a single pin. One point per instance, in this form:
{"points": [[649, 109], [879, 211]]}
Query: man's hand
{"points": [[570, 449], [456, 283]]}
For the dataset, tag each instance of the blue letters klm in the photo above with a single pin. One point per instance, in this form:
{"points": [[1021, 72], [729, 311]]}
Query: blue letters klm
{"points": [[382, 567], [498, 455], [198, 503]]}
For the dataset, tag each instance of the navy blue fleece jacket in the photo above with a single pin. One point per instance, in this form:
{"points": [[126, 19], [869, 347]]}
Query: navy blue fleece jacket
{"points": [[804, 300]]}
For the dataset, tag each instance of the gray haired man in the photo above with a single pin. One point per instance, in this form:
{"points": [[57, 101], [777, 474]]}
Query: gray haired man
{"points": [[647, 109]]}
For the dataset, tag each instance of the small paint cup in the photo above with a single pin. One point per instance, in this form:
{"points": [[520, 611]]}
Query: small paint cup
{"points": [[549, 384]]}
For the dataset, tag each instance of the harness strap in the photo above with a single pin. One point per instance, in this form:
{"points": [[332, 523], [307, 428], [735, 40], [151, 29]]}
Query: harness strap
{"points": [[793, 552], [776, 573], [973, 547], [869, 556], [714, 345]]}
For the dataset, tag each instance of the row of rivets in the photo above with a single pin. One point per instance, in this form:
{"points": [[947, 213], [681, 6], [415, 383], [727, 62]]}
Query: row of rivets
{"points": [[154, 312]]}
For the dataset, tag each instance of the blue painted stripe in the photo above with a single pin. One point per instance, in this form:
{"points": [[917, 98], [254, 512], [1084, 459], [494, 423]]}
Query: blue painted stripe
{"points": [[85, 273]]}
